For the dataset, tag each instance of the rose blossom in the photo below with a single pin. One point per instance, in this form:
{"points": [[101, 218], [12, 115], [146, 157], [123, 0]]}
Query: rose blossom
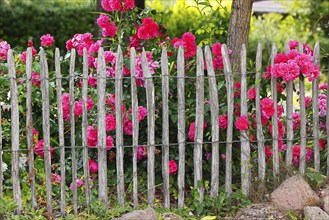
{"points": [[172, 166], [47, 40]]}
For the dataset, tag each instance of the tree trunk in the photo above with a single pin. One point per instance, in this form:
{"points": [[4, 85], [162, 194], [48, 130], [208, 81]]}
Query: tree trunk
{"points": [[140, 4], [239, 29], [99, 8]]}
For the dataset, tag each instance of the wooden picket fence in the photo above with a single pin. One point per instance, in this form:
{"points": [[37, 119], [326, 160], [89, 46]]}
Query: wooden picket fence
{"points": [[181, 136]]}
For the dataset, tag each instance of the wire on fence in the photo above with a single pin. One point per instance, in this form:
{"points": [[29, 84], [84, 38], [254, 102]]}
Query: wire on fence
{"points": [[170, 144]]}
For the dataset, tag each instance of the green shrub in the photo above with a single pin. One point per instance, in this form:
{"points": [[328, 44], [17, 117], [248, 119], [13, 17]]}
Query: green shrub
{"points": [[21, 20]]}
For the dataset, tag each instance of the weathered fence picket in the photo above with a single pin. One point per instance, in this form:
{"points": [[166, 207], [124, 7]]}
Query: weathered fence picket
{"points": [[245, 145], [289, 109], [101, 121], [72, 131], [135, 122], [275, 136], [84, 127], [315, 108], [14, 132], [260, 134], [327, 124], [181, 125], [302, 158], [60, 129], [230, 105], [213, 98], [165, 127], [46, 126], [199, 121], [150, 130], [29, 126], [119, 129]]}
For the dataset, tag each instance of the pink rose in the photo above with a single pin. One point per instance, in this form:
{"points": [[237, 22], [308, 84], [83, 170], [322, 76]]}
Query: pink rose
{"points": [[47, 40]]}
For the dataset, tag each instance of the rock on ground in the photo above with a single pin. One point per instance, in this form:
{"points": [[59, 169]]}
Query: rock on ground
{"points": [[315, 213], [171, 216], [294, 194], [147, 214], [260, 211]]}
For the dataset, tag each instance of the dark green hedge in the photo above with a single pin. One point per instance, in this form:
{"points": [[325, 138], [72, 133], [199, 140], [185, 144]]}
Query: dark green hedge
{"points": [[19, 22]]}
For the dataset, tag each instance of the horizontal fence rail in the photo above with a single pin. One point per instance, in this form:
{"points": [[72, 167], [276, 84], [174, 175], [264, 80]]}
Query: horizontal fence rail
{"points": [[69, 147]]}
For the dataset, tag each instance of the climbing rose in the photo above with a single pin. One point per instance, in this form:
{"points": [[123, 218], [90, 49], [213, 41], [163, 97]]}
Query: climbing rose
{"points": [[222, 120], [39, 149], [36, 79], [110, 122], [108, 28], [252, 93], [92, 136], [47, 40], [4, 47], [148, 30], [55, 178], [117, 5], [267, 107], [191, 132], [80, 41], [172, 166], [109, 142], [142, 113], [93, 166], [187, 42], [79, 183], [242, 123], [141, 152]]}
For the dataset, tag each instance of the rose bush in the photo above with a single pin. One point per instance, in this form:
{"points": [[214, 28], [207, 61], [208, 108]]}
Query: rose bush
{"points": [[122, 25]]}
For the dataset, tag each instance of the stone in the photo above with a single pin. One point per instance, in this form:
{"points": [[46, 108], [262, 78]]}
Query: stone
{"points": [[294, 194], [326, 204], [147, 214], [315, 213], [260, 212], [171, 216]]}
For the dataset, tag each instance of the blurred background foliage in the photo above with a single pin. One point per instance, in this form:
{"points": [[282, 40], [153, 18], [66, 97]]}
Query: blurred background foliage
{"points": [[22, 19], [306, 21]]}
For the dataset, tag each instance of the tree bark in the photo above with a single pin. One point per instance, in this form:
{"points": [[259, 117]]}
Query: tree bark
{"points": [[239, 29], [140, 4]]}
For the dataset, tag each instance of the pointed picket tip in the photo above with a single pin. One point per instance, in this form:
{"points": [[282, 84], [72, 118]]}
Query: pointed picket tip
{"points": [[259, 55], [146, 69]]}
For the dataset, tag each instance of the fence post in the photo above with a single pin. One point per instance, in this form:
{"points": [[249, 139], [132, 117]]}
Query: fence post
{"points": [[46, 126], [102, 162], [245, 145], [150, 129], [230, 106], [72, 131], [165, 127], [199, 120], [275, 144], [134, 103], [289, 109], [315, 94], [29, 126], [181, 125], [84, 127], [60, 129], [260, 134], [119, 134], [213, 98], [302, 159]]}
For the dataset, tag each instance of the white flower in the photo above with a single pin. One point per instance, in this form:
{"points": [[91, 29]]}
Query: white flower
{"points": [[4, 167], [22, 161]]}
